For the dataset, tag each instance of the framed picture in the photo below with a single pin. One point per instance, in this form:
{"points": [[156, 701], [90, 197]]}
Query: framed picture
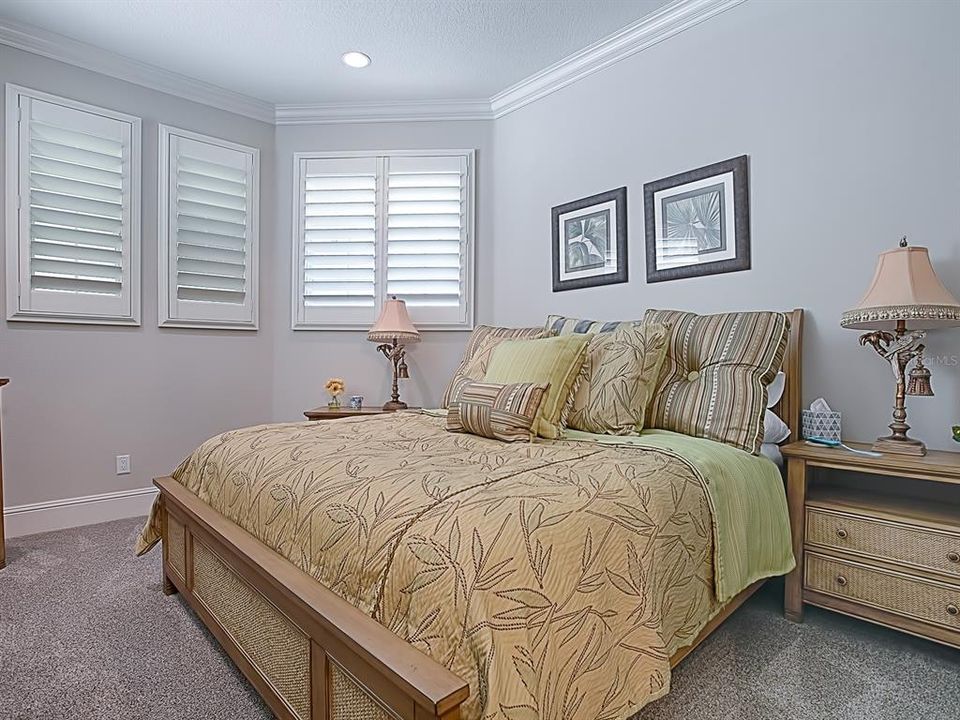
{"points": [[698, 222], [590, 241]]}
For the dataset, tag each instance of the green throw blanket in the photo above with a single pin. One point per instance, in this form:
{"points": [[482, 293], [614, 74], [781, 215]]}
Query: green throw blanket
{"points": [[751, 528]]}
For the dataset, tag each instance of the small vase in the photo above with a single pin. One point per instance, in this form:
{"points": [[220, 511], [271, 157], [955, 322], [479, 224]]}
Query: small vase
{"points": [[334, 403]]}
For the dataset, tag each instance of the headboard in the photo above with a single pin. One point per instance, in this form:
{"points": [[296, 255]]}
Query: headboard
{"points": [[790, 404]]}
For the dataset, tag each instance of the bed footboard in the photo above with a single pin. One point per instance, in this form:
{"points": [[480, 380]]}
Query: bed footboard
{"points": [[310, 654]]}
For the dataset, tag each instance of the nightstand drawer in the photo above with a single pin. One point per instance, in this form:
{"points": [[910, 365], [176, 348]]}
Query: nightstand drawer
{"points": [[884, 540], [922, 600]]}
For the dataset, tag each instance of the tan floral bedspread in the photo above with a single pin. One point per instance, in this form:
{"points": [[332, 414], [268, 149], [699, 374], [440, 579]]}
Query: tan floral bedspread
{"points": [[556, 578]]}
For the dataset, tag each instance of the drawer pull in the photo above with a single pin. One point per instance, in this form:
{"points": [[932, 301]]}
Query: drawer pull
{"points": [[841, 581], [953, 557], [953, 609], [842, 534]]}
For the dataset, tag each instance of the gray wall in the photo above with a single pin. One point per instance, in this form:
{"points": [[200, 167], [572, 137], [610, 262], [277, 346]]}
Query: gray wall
{"points": [[850, 113], [80, 395], [303, 360]]}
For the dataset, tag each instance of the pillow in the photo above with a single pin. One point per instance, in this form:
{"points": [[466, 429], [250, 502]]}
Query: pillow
{"points": [[476, 368], [554, 361], [560, 325], [772, 452], [775, 430], [715, 376], [498, 412], [619, 375], [776, 388], [477, 338]]}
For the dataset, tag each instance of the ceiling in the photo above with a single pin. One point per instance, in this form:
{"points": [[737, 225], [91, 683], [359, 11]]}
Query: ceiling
{"points": [[288, 51]]}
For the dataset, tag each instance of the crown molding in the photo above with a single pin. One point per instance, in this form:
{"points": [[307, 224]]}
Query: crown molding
{"points": [[89, 57], [402, 111], [644, 33]]}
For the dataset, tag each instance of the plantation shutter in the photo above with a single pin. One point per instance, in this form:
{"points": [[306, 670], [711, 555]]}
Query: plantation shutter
{"points": [[208, 264], [427, 236], [78, 224], [373, 225], [338, 228]]}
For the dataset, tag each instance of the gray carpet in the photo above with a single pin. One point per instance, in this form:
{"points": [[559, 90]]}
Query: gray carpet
{"points": [[86, 633]]}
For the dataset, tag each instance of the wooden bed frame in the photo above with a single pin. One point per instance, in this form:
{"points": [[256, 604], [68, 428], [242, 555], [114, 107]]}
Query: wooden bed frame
{"points": [[310, 654]]}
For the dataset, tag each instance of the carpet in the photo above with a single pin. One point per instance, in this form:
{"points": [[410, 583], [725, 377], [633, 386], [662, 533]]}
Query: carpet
{"points": [[86, 633]]}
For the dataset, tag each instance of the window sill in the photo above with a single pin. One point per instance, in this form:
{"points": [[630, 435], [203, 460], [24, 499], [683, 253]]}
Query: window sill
{"points": [[209, 325], [70, 319]]}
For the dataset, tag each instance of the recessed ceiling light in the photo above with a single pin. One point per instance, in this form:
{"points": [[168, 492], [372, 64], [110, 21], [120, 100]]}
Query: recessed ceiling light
{"points": [[355, 59]]}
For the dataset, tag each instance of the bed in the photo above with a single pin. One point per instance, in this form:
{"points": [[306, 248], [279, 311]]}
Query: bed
{"points": [[383, 568]]}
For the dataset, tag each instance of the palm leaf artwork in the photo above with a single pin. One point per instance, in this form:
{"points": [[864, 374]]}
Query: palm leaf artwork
{"points": [[696, 220], [587, 240], [595, 230]]}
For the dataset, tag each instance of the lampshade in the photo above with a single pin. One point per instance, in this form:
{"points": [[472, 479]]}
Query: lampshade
{"points": [[904, 287], [394, 323]]}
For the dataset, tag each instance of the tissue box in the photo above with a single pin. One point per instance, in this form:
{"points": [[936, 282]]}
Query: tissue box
{"points": [[820, 424]]}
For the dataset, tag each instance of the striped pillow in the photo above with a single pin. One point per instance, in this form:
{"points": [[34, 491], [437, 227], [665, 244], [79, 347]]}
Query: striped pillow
{"points": [[715, 376], [561, 325], [486, 337], [498, 412]]}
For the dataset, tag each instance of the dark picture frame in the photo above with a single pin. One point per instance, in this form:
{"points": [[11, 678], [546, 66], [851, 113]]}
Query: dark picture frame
{"points": [[591, 247], [699, 217]]}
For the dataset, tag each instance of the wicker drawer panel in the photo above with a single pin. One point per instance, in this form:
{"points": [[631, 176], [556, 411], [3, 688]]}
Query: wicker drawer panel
{"points": [[350, 701], [927, 601], [916, 546], [271, 642], [176, 540]]}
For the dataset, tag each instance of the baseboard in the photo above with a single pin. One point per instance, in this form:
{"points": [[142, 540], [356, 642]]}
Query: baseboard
{"points": [[73, 512]]}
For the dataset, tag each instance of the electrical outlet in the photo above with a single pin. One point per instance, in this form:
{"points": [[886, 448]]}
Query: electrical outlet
{"points": [[123, 464]]}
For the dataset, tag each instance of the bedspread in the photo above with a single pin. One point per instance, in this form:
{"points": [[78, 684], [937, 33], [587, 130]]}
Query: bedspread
{"points": [[556, 578]]}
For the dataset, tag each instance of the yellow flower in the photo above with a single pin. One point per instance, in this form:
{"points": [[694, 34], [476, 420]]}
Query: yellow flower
{"points": [[335, 386]]}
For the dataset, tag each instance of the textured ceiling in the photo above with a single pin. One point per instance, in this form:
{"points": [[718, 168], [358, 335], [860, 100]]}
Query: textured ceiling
{"points": [[288, 51]]}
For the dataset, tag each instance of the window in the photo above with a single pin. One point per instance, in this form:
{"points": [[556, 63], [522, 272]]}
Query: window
{"points": [[372, 225], [73, 211], [209, 193]]}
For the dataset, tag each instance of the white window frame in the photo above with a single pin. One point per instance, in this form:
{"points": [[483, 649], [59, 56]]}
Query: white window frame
{"points": [[168, 316], [298, 320], [17, 247]]}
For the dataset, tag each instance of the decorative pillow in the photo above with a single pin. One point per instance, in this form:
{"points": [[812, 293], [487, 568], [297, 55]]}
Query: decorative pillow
{"points": [[560, 325], [476, 368], [619, 375], [498, 412], [554, 361], [715, 376], [480, 335]]}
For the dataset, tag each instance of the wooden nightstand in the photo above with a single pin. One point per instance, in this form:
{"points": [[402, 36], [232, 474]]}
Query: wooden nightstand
{"points": [[876, 538], [325, 413]]}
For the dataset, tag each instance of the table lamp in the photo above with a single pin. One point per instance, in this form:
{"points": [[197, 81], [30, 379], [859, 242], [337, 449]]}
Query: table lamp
{"points": [[905, 289], [393, 330]]}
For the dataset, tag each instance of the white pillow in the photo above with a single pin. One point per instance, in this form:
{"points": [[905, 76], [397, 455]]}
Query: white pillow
{"points": [[775, 430], [775, 390], [772, 451]]}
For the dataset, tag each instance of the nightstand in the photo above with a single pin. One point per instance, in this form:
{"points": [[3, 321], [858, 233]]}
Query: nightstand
{"points": [[327, 413], [876, 538]]}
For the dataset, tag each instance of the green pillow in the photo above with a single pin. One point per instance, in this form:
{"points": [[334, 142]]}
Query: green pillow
{"points": [[552, 361]]}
